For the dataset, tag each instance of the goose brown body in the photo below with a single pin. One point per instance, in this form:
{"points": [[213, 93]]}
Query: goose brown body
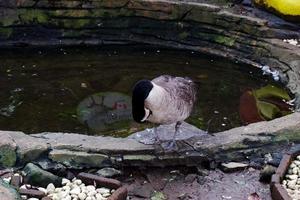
{"points": [[168, 100]]}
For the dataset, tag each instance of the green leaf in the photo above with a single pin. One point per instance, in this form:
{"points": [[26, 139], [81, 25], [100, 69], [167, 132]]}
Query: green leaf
{"points": [[267, 110], [271, 91]]}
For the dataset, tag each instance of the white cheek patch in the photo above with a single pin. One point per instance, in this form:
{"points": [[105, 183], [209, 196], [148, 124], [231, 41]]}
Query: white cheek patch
{"points": [[147, 113]]}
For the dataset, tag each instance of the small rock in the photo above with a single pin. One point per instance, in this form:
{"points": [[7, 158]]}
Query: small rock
{"points": [[33, 199], [76, 190], [109, 172], [50, 188], [103, 190], [81, 196], [190, 178], [143, 191], [7, 192], [78, 182], [92, 193], [42, 190], [16, 181], [32, 193], [292, 177], [7, 180], [89, 198], [68, 197], [105, 195], [266, 173], [98, 196], [90, 188], [158, 196], [233, 166], [296, 162], [64, 181], [291, 184], [66, 188], [295, 170], [292, 165], [39, 177]]}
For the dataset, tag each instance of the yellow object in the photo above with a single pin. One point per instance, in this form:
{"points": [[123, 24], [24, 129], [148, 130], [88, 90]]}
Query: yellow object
{"points": [[285, 7]]}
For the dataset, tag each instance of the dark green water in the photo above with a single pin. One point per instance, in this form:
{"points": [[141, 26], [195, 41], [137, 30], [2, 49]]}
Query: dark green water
{"points": [[41, 89]]}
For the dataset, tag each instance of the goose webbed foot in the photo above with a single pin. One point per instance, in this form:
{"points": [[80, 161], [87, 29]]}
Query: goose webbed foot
{"points": [[169, 146]]}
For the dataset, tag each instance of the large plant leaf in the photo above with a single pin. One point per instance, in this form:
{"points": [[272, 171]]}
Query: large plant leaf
{"points": [[271, 91], [267, 110]]}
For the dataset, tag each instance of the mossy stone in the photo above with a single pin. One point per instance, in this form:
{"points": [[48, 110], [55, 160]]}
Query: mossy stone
{"points": [[8, 156], [39, 177]]}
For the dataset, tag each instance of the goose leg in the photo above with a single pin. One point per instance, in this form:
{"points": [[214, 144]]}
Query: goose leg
{"points": [[156, 137], [172, 145]]}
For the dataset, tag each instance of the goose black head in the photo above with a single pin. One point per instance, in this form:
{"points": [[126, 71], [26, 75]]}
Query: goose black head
{"points": [[140, 92]]}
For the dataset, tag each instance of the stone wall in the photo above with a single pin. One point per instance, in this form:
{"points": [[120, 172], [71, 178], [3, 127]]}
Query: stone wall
{"points": [[209, 28]]}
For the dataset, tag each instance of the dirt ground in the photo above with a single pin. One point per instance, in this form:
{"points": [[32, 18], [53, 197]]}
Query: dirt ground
{"points": [[180, 184]]}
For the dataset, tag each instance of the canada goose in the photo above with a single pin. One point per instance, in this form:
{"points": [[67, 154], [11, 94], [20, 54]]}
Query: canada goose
{"points": [[164, 100]]}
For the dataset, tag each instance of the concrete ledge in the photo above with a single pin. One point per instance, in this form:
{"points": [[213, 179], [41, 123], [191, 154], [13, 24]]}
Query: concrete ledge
{"points": [[78, 151]]}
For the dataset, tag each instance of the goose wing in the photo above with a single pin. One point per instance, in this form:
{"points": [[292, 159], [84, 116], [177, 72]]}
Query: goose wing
{"points": [[180, 88]]}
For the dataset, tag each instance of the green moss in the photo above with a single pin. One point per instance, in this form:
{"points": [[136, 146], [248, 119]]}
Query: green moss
{"points": [[29, 16], [288, 136], [183, 35], [5, 32], [7, 156], [7, 21], [224, 40]]}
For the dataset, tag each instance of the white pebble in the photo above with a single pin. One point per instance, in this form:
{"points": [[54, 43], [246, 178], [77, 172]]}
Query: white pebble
{"points": [[24, 197], [25, 186], [76, 190], [98, 196], [57, 190], [90, 188], [293, 165], [295, 170], [67, 198], [81, 196], [88, 198], [7, 180], [66, 188], [33, 199], [78, 182], [291, 184], [55, 197], [50, 188], [42, 190], [106, 194], [92, 193], [63, 194], [296, 162], [64, 181], [292, 177], [103, 190]]}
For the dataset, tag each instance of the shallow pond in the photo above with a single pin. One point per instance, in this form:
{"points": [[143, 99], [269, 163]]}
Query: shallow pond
{"points": [[87, 90]]}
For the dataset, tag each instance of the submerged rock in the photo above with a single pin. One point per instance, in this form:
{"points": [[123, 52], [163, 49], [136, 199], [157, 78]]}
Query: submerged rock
{"points": [[109, 172], [39, 177]]}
